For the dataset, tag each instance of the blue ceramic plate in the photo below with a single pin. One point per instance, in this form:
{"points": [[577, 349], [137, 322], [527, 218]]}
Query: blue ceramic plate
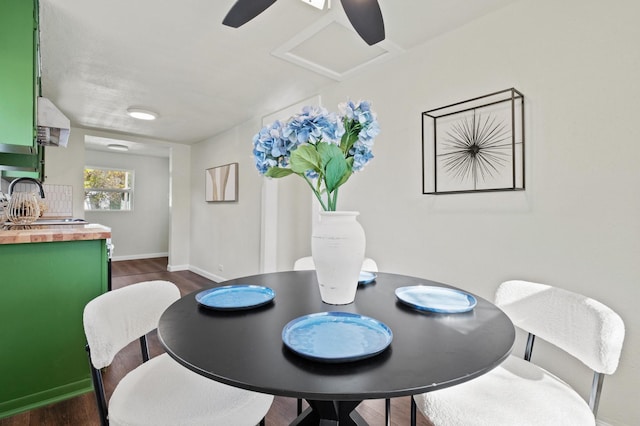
{"points": [[235, 297], [436, 299], [366, 277], [336, 336]]}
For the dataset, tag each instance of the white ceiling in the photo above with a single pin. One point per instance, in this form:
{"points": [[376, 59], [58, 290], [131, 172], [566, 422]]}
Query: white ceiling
{"points": [[176, 58]]}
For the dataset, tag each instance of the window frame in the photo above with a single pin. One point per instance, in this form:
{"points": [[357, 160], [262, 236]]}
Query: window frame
{"points": [[129, 191]]}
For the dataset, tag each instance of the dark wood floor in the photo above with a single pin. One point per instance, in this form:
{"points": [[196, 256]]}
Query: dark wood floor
{"points": [[81, 410]]}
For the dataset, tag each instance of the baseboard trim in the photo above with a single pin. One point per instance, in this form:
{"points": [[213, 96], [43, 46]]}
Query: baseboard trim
{"points": [[206, 274], [173, 268], [602, 423], [176, 268], [139, 256]]}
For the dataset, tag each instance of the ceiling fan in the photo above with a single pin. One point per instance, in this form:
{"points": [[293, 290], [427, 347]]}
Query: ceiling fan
{"points": [[364, 15]]}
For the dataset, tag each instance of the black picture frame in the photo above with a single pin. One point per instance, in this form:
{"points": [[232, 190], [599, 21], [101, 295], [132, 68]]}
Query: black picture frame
{"points": [[475, 145]]}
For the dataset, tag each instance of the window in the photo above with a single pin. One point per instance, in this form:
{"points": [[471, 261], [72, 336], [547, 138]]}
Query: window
{"points": [[108, 189]]}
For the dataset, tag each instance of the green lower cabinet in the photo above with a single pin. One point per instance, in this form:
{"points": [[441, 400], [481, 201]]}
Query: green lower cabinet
{"points": [[43, 290]]}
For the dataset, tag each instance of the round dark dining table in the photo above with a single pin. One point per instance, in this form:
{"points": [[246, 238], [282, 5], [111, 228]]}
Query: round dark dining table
{"points": [[244, 348]]}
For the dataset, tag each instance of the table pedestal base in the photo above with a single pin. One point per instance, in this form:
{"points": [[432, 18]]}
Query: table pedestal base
{"points": [[330, 413]]}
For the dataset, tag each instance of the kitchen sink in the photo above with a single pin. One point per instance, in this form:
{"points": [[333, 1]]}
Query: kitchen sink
{"points": [[67, 221], [47, 221]]}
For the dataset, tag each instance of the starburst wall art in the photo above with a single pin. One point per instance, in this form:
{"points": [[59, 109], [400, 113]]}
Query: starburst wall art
{"points": [[474, 145]]}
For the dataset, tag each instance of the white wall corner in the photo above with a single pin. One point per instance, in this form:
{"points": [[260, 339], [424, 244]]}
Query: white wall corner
{"points": [[206, 274], [176, 268]]}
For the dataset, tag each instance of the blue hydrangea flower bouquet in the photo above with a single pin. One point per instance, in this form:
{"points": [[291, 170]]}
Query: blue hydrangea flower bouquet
{"points": [[323, 148]]}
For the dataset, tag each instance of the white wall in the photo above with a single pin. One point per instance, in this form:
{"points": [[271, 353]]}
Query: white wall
{"points": [[226, 234], [64, 166], [180, 207], [144, 231], [575, 226]]}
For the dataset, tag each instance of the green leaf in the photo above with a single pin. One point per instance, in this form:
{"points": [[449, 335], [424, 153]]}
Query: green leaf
{"points": [[348, 174], [278, 172], [305, 158], [335, 171], [349, 138], [328, 151]]}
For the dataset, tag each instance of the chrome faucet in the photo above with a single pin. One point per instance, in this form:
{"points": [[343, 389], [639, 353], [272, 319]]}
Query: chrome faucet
{"points": [[35, 181]]}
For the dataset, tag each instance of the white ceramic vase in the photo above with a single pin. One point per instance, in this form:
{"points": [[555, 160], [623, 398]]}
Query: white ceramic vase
{"points": [[338, 246]]}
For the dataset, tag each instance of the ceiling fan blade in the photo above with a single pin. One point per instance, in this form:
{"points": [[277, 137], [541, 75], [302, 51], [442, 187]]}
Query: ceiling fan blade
{"points": [[366, 18], [245, 10]]}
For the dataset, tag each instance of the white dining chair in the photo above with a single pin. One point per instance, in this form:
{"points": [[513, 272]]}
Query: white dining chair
{"points": [[306, 264], [518, 392], [159, 391]]}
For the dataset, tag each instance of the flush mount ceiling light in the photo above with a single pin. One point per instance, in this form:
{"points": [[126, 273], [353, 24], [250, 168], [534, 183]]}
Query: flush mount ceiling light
{"points": [[142, 114], [118, 147], [317, 3], [364, 15]]}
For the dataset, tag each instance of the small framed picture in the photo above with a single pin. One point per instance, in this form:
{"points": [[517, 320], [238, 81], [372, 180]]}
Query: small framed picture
{"points": [[221, 183]]}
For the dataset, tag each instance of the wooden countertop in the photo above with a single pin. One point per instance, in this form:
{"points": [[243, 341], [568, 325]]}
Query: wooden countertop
{"points": [[18, 234]]}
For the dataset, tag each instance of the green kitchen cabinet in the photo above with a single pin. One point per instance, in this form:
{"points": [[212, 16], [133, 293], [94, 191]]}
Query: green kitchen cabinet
{"points": [[14, 165], [18, 73], [43, 290], [20, 155]]}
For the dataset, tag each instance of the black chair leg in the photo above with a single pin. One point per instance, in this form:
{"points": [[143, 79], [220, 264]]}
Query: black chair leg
{"points": [[299, 410], [144, 348], [413, 412], [98, 386], [387, 412]]}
